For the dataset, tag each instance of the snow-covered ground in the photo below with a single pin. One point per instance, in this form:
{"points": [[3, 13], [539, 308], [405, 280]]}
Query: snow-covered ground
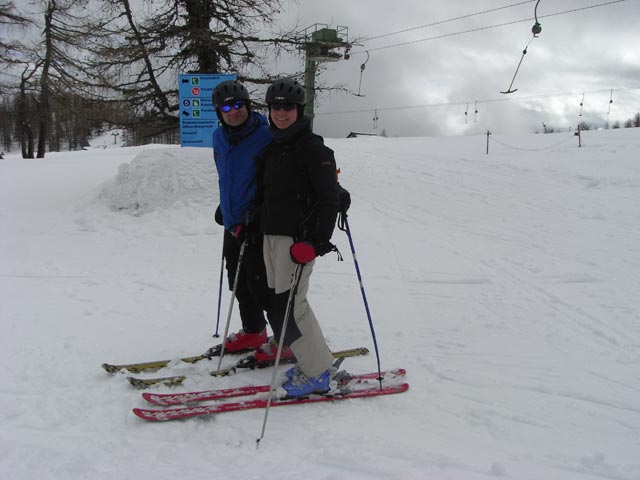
{"points": [[508, 285]]}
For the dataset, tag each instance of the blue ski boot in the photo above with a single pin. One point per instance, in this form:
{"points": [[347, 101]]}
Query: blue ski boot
{"points": [[300, 385], [292, 372]]}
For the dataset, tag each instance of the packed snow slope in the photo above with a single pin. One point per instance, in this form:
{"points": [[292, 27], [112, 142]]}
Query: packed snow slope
{"points": [[507, 284]]}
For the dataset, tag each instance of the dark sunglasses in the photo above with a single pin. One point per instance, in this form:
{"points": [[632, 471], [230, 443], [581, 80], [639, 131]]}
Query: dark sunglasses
{"points": [[227, 108], [287, 107]]}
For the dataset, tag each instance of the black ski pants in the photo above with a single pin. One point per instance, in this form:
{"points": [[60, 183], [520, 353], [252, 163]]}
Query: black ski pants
{"points": [[252, 290]]}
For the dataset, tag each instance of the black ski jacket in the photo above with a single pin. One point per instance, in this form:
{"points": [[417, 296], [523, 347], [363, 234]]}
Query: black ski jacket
{"points": [[298, 189]]}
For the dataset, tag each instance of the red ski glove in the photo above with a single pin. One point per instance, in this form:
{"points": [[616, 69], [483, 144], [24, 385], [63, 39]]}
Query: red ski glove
{"points": [[302, 252]]}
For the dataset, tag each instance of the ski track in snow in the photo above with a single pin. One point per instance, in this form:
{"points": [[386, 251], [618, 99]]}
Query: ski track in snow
{"points": [[506, 284]]}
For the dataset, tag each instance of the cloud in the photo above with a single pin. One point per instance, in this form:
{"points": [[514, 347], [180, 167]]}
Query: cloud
{"points": [[423, 88]]}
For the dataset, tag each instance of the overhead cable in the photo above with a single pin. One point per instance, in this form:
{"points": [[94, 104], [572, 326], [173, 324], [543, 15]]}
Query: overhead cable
{"points": [[366, 39], [411, 42]]}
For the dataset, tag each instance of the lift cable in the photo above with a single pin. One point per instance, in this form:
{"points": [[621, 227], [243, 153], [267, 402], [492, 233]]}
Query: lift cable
{"points": [[486, 27], [366, 39]]}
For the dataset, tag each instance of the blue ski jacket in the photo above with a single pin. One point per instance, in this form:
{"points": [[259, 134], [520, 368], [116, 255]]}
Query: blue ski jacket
{"points": [[235, 153]]}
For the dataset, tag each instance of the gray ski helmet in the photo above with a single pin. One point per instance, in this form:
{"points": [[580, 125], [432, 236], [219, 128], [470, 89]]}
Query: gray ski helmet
{"points": [[229, 91], [285, 90]]}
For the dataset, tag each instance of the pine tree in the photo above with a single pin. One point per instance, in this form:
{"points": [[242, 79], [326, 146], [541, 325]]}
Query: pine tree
{"points": [[181, 36]]}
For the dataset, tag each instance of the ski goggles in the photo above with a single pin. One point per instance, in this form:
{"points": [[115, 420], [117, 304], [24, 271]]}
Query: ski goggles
{"points": [[227, 107], [287, 107]]}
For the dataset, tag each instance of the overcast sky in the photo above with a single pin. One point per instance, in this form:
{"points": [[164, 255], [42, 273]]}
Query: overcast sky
{"points": [[423, 88]]}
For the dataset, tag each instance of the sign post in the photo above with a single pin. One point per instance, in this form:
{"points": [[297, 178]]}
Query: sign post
{"points": [[198, 118]]}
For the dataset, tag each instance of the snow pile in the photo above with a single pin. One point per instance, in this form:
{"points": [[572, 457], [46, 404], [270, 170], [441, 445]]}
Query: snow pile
{"points": [[161, 178]]}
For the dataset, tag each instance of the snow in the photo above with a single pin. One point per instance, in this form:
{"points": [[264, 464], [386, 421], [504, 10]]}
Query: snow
{"points": [[506, 284]]}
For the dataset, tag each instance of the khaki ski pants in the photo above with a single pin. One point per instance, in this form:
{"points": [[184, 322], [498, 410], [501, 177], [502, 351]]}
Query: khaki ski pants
{"points": [[310, 349]]}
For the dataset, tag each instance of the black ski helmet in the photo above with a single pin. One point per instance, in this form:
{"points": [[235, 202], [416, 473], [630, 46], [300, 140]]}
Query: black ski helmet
{"points": [[229, 91], [285, 90]]}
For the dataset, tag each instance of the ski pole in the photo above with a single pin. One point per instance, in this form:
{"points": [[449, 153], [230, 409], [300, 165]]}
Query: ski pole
{"points": [[233, 297], [292, 295], [216, 335], [344, 226]]}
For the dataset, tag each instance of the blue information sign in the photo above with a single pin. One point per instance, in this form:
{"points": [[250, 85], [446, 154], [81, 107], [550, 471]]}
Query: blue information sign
{"points": [[198, 118]]}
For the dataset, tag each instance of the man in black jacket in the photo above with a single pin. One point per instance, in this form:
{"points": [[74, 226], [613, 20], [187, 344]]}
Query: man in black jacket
{"points": [[298, 190]]}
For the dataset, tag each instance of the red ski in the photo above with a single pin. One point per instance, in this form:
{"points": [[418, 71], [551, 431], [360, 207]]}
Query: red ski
{"points": [[168, 399], [358, 386]]}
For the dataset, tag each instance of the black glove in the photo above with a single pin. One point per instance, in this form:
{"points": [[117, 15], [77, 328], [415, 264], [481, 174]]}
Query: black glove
{"points": [[218, 216], [344, 199], [247, 232], [239, 232]]}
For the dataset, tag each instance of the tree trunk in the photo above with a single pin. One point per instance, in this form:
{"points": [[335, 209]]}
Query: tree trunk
{"points": [[199, 15], [25, 132], [43, 104]]}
